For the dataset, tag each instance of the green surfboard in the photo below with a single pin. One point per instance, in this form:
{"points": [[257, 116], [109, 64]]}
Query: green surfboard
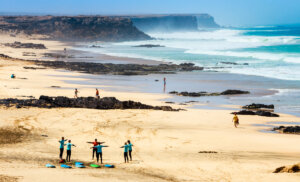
{"points": [[95, 165]]}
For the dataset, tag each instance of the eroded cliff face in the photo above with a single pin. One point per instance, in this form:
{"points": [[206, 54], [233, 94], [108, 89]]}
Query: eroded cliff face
{"points": [[173, 23], [74, 28]]}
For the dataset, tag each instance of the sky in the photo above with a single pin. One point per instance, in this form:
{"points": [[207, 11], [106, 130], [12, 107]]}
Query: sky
{"points": [[225, 12]]}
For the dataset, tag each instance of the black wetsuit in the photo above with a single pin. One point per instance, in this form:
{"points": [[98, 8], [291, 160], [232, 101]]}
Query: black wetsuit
{"points": [[68, 159]]}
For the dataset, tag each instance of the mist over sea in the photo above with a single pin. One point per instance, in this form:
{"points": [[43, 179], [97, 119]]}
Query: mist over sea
{"points": [[268, 57]]}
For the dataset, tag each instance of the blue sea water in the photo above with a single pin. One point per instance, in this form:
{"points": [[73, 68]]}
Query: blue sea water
{"points": [[270, 56]]}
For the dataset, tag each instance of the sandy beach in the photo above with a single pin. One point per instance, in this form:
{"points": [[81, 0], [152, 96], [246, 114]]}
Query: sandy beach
{"points": [[168, 146]]}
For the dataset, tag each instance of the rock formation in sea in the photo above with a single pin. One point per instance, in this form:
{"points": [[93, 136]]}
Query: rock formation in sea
{"points": [[74, 28]]}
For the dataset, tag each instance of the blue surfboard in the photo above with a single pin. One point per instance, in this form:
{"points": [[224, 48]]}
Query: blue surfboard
{"points": [[78, 163], [50, 166], [79, 166], [65, 166], [109, 166]]}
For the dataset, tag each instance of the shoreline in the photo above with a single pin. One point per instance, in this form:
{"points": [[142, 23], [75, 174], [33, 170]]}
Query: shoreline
{"points": [[167, 146]]}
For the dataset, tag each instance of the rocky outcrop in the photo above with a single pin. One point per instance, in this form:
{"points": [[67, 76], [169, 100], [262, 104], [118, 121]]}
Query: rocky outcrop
{"points": [[25, 45], [288, 129], [82, 102], [288, 169], [173, 23], [259, 113], [74, 28], [148, 45], [258, 106], [201, 94]]}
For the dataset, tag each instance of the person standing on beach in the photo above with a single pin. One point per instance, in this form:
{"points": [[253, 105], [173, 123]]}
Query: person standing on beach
{"points": [[235, 120], [125, 152], [165, 83], [129, 149], [97, 94], [95, 143], [69, 146], [61, 148], [76, 93], [99, 151]]}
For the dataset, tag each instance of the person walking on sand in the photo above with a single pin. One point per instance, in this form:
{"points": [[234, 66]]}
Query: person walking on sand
{"points": [[235, 120], [165, 83], [76, 93], [62, 146], [129, 149], [99, 151], [69, 146], [95, 143], [125, 152], [97, 94]]}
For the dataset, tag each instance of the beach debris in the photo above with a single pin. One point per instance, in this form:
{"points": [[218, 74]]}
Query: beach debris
{"points": [[33, 68], [81, 102], [201, 94], [55, 86], [288, 169], [44, 135], [25, 45], [287, 129], [207, 152], [259, 113], [258, 106]]}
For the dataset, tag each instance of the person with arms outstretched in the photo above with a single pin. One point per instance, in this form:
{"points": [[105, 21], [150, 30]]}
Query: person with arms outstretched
{"points": [[62, 146], [69, 146], [129, 149], [99, 151], [95, 143], [125, 152]]}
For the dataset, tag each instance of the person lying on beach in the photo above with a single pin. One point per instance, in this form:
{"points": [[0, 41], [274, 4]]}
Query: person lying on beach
{"points": [[129, 149], [99, 151], [235, 120], [69, 146], [95, 143], [125, 152], [61, 147], [97, 94], [76, 93]]}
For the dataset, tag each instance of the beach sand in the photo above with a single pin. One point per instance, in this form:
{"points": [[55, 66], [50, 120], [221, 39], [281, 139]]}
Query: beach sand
{"points": [[166, 144]]}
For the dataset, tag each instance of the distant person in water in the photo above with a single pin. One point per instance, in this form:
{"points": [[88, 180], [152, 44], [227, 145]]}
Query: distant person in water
{"points": [[95, 143], [61, 147], [69, 146], [165, 83], [76, 93], [99, 151], [125, 152], [97, 94], [235, 120], [129, 149], [65, 50]]}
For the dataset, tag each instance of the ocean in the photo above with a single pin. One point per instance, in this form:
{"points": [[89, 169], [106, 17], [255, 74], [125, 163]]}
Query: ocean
{"points": [[268, 57]]}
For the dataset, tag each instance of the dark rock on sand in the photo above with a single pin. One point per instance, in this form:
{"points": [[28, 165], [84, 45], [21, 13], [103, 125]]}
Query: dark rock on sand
{"points": [[25, 45], [258, 106], [259, 113], [200, 94], [82, 102], [288, 169], [288, 129], [148, 45], [33, 68], [233, 63]]}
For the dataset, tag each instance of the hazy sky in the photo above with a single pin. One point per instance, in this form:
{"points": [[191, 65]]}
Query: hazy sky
{"points": [[226, 12]]}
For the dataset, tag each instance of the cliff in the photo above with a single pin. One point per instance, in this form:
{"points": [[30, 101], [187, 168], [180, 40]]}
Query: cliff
{"points": [[172, 23], [74, 28]]}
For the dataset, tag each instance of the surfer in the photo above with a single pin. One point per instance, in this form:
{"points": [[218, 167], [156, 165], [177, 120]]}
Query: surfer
{"points": [[165, 83], [76, 93], [235, 120], [125, 152], [97, 94], [62, 145], [69, 146], [129, 149], [99, 151], [95, 143]]}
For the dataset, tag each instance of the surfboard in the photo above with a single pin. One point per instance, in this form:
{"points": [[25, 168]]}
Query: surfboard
{"points": [[50, 166], [79, 166], [109, 166], [78, 163], [65, 166], [95, 165]]}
